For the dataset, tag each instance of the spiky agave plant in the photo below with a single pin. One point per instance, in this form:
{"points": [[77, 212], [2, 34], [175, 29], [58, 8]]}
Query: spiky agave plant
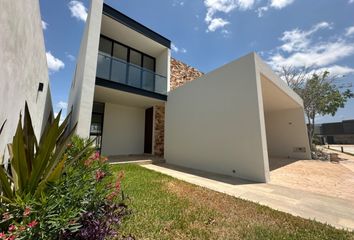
{"points": [[34, 164]]}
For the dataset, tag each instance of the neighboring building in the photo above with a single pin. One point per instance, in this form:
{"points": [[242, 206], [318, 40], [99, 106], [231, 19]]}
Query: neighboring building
{"points": [[130, 94], [336, 133], [23, 67]]}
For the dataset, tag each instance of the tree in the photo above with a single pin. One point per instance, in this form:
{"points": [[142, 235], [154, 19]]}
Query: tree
{"points": [[320, 94]]}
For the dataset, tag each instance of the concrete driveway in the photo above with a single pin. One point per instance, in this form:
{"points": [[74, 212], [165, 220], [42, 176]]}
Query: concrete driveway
{"points": [[323, 177]]}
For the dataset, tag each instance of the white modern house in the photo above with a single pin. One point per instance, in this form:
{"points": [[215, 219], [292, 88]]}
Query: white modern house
{"points": [[231, 121], [22, 79], [122, 73]]}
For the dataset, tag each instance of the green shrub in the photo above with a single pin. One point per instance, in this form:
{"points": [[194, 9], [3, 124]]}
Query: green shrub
{"points": [[81, 197], [34, 164]]}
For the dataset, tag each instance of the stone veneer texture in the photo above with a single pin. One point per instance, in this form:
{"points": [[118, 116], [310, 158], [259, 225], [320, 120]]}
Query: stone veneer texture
{"points": [[181, 73]]}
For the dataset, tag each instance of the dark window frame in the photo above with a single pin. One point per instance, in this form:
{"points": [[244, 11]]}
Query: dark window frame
{"points": [[130, 48], [102, 115]]}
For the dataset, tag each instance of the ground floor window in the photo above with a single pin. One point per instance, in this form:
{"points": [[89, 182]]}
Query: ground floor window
{"points": [[96, 128]]}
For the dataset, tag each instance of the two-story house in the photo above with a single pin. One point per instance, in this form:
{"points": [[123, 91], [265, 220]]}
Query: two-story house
{"points": [[123, 71], [235, 120]]}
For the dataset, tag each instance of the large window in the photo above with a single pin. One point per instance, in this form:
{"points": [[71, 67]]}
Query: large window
{"points": [[124, 53], [122, 64]]}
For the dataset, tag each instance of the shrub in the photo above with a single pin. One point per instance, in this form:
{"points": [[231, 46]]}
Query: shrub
{"points": [[59, 188], [33, 164]]}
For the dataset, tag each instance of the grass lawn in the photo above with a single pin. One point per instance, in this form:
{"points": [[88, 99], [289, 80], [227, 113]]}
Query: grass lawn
{"points": [[167, 208]]}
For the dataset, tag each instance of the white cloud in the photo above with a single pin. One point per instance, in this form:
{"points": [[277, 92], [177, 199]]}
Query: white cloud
{"points": [[78, 10], [62, 105], [44, 25], [54, 64], [223, 6], [300, 49], [276, 4], [176, 49], [70, 57], [260, 11], [318, 55], [217, 23], [349, 31], [279, 4], [336, 70], [178, 3], [297, 39]]}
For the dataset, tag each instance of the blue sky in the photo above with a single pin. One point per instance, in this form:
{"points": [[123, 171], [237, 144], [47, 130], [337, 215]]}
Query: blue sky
{"points": [[209, 33]]}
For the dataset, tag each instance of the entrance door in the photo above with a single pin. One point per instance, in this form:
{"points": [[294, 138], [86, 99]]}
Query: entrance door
{"points": [[149, 114]]}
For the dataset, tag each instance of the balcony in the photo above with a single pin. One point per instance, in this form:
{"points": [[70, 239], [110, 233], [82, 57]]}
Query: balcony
{"points": [[119, 71]]}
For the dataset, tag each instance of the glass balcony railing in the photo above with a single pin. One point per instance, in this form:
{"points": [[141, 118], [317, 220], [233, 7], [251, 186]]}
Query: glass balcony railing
{"points": [[116, 70]]}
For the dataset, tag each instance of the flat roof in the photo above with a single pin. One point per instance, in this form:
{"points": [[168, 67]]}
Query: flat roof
{"points": [[136, 26]]}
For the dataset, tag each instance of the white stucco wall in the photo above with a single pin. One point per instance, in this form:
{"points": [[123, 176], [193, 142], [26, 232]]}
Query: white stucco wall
{"points": [[123, 130], [214, 123], [163, 65], [286, 130], [22, 67], [83, 85]]}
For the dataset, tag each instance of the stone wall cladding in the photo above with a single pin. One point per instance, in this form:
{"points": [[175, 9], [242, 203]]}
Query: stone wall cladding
{"points": [[181, 73]]}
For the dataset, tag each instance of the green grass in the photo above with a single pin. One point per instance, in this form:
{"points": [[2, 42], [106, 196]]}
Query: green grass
{"points": [[166, 208]]}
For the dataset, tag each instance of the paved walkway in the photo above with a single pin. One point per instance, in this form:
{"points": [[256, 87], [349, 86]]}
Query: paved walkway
{"points": [[334, 211]]}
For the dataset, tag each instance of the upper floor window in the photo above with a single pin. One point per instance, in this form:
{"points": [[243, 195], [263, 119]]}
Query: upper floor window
{"points": [[125, 53]]}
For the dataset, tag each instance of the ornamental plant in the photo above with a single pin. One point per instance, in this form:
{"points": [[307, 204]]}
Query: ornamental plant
{"points": [[84, 203], [33, 164]]}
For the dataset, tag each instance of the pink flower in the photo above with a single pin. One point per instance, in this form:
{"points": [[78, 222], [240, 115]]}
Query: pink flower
{"points": [[6, 216], [12, 228], [2, 235], [27, 212], [110, 196], [100, 174], [96, 156], [32, 224]]}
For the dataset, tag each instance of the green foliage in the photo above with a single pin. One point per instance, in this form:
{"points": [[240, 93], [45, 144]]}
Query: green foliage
{"points": [[84, 187], [321, 97], [34, 164]]}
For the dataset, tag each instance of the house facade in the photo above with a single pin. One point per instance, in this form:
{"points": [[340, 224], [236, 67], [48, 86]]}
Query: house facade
{"points": [[22, 79], [122, 77], [131, 96]]}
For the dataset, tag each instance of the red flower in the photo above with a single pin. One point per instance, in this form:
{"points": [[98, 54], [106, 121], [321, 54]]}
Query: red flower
{"points": [[88, 162], [32, 224], [12, 228], [100, 174], [110, 196], [2, 235], [120, 176], [96, 156], [12, 237], [6, 216], [27, 212]]}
